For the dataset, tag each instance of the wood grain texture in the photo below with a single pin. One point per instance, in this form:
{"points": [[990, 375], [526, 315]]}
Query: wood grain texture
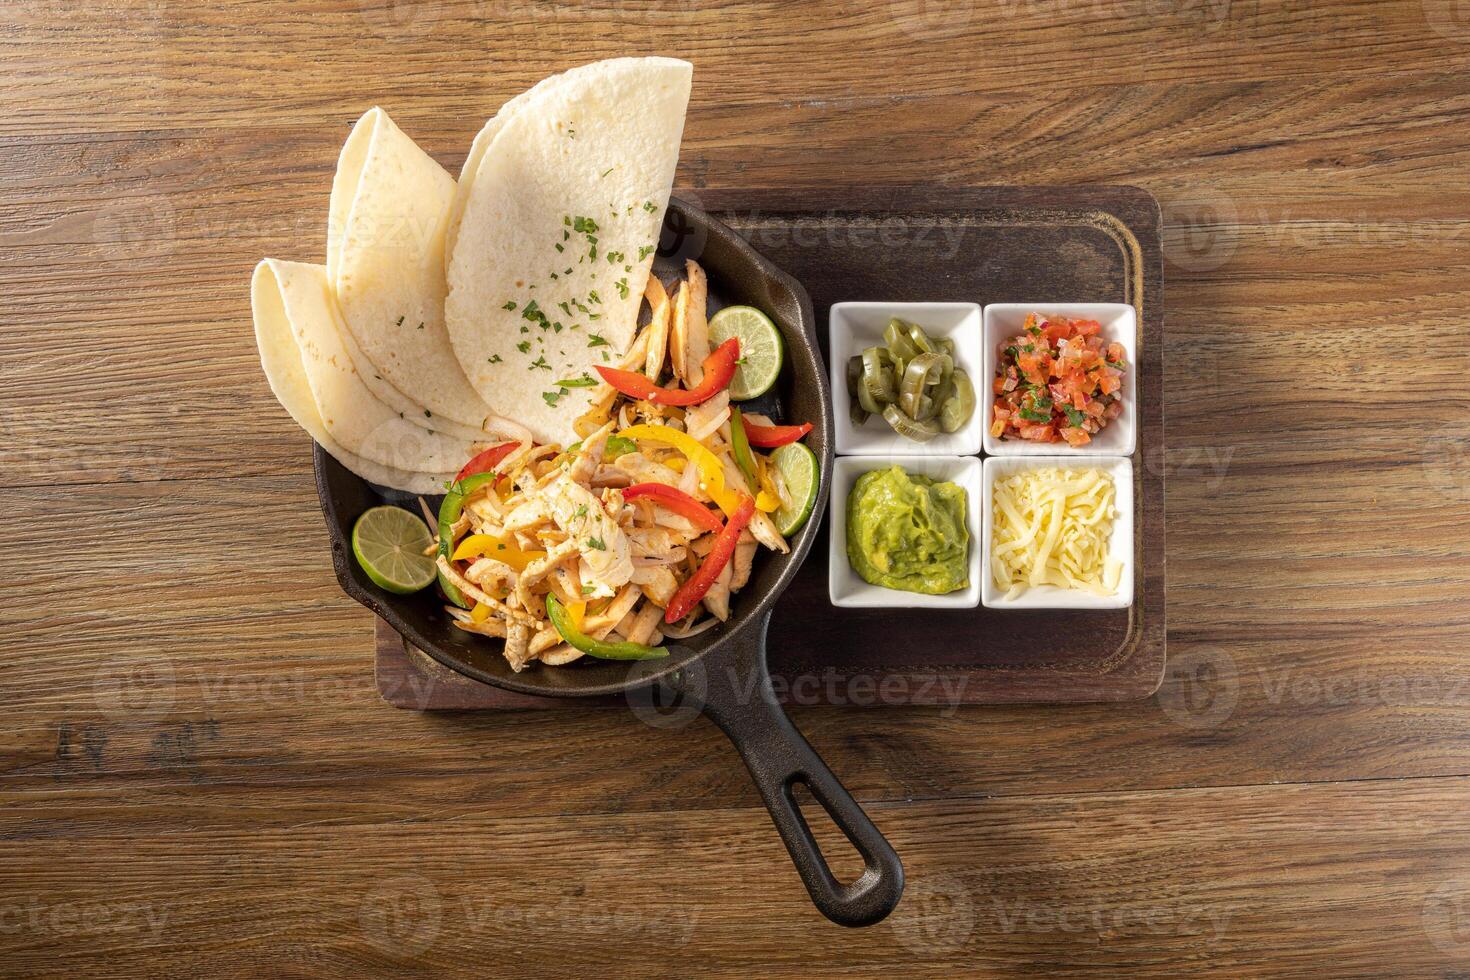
{"points": [[191, 726]]}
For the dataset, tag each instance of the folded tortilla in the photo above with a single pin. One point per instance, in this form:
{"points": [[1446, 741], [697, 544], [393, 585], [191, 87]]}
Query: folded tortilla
{"points": [[385, 259], [553, 231], [299, 332]]}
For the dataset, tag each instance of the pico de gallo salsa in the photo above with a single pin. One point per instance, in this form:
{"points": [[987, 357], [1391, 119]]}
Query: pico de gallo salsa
{"points": [[1057, 381]]}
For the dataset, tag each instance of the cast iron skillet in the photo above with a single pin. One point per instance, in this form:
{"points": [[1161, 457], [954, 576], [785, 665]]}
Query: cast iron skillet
{"points": [[722, 672]]}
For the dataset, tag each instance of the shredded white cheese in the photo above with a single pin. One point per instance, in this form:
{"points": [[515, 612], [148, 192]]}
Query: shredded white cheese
{"points": [[1051, 527]]}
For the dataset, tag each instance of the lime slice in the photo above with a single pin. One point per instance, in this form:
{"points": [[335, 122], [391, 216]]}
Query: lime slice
{"points": [[797, 467], [761, 349], [389, 543]]}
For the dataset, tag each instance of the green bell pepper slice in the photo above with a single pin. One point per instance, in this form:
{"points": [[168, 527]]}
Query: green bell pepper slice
{"points": [[601, 649]]}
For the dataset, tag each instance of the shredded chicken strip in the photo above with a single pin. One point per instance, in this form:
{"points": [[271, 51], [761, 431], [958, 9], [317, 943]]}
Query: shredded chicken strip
{"points": [[658, 328], [517, 646], [689, 340], [480, 595], [540, 568]]}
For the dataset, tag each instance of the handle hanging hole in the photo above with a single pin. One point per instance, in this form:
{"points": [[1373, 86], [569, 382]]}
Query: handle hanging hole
{"points": [[842, 856]]}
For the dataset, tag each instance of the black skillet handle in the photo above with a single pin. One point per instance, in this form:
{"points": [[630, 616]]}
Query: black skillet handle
{"points": [[737, 696]]}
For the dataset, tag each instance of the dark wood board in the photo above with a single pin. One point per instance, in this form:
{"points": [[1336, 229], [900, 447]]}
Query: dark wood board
{"points": [[975, 244]]}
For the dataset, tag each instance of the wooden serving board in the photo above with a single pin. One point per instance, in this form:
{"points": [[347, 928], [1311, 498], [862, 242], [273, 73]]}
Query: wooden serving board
{"points": [[975, 244]]}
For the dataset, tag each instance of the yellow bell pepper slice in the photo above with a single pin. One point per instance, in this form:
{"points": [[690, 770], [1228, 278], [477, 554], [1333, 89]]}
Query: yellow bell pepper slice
{"points": [[501, 549], [578, 612], [712, 475], [768, 500], [480, 613]]}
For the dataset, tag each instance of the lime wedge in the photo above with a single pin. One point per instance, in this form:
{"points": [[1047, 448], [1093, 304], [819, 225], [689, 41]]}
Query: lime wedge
{"points": [[389, 543], [799, 475], [761, 349]]}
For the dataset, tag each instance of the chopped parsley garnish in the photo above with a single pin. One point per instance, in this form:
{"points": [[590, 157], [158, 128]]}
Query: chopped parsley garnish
{"points": [[613, 258], [494, 358], [585, 381], [650, 207], [596, 544], [524, 347], [643, 252], [594, 340], [560, 247], [399, 323], [540, 362], [622, 285], [592, 295], [551, 397], [584, 225], [1074, 417], [607, 171], [428, 414]]}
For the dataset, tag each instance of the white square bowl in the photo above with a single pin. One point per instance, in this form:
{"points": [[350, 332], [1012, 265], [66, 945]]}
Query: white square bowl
{"points": [[1119, 323], [845, 587], [1120, 545], [855, 326]]}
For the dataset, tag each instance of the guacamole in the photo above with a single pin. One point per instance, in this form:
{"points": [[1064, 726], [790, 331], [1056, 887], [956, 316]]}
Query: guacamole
{"points": [[907, 532]]}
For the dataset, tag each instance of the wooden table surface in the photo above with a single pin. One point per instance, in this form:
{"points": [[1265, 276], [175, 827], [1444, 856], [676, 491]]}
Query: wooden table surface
{"points": [[199, 777]]}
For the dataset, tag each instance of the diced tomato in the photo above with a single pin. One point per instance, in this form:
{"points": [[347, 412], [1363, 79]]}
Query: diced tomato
{"points": [[1075, 436], [1069, 367]]}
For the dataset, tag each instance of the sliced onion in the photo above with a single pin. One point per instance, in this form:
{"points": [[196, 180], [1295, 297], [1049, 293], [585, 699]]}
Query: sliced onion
{"points": [[684, 633]]}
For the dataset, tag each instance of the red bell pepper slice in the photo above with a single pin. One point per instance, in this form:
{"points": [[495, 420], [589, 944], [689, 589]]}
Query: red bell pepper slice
{"points": [[719, 368], [771, 436], [486, 461], [719, 556], [677, 501]]}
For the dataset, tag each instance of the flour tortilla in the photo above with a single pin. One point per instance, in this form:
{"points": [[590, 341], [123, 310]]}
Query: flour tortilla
{"points": [[385, 259], [599, 142], [281, 359], [294, 307]]}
